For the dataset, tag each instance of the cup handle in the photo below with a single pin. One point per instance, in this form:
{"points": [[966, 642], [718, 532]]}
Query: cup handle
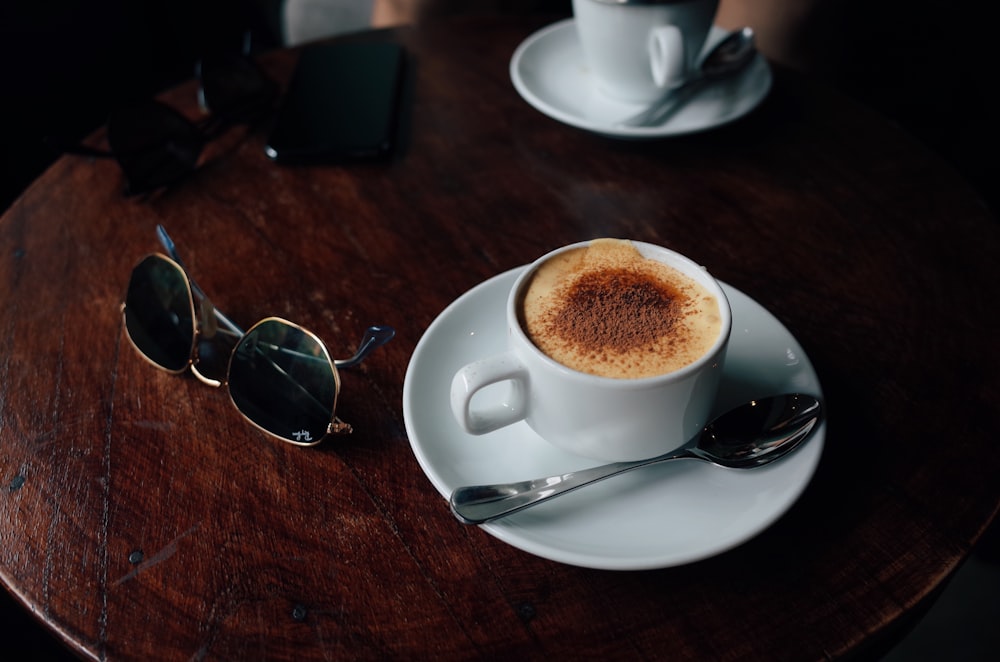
{"points": [[480, 374], [666, 55]]}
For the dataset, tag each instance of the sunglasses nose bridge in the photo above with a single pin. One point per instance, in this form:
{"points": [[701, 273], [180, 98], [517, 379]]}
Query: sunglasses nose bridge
{"points": [[205, 379], [212, 353]]}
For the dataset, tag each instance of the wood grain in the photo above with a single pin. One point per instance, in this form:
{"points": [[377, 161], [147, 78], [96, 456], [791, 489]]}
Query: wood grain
{"points": [[142, 518]]}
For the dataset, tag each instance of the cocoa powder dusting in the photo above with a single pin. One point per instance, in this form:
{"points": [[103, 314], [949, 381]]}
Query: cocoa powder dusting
{"points": [[616, 309], [609, 311]]}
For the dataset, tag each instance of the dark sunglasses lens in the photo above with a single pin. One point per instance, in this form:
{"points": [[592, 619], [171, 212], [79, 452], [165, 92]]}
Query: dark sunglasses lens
{"points": [[154, 144], [233, 87], [282, 379], [159, 314]]}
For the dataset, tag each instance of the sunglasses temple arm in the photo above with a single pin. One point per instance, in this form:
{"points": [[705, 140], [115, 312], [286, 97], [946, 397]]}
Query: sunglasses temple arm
{"points": [[227, 323], [375, 336], [171, 248]]}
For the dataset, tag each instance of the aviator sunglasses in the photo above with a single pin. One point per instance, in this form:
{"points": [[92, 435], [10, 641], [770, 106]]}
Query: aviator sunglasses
{"points": [[279, 375], [155, 145]]}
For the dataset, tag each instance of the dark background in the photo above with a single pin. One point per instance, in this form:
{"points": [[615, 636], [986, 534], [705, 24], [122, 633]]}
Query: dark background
{"points": [[66, 63], [928, 65]]}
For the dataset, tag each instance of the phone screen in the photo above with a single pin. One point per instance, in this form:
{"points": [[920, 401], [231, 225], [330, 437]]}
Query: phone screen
{"points": [[341, 105]]}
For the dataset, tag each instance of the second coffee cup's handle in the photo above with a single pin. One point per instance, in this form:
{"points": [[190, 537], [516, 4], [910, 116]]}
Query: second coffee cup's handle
{"points": [[480, 374], [666, 55]]}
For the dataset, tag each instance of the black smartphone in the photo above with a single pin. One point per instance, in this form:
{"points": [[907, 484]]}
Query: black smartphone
{"points": [[342, 104]]}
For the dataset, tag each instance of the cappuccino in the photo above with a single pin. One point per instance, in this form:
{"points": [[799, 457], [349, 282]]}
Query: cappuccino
{"points": [[606, 310]]}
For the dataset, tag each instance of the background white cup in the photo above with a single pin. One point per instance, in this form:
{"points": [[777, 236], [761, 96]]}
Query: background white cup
{"points": [[637, 49], [598, 417]]}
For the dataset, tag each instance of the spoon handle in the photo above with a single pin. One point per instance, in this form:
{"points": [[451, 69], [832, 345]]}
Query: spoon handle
{"points": [[665, 106], [476, 504]]}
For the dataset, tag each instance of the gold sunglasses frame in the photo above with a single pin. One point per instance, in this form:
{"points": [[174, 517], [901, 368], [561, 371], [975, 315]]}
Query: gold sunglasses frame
{"points": [[207, 321]]}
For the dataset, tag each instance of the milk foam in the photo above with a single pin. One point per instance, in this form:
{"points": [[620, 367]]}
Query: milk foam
{"points": [[606, 310]]}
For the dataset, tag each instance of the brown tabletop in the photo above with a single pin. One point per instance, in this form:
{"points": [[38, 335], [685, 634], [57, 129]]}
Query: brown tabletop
{"points": [[142, 518]]}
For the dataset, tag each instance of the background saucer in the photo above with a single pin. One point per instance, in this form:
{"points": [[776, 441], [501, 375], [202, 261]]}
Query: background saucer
{"points": [[549, 72], [651, 518]]}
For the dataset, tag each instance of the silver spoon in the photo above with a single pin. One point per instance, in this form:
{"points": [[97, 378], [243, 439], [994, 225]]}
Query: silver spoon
{"points": [[730, 55], [751, 435]]}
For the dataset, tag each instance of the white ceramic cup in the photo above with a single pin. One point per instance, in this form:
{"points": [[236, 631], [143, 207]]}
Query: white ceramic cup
{"points": [[638, 49], [597, 417]]}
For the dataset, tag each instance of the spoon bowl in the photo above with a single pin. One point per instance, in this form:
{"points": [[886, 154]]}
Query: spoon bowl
{"points": [[752, 435], [758, 432], [730, 55]]}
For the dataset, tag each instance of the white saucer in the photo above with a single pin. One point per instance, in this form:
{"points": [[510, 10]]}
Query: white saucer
{"points": [[549, 72], [651, 518]]}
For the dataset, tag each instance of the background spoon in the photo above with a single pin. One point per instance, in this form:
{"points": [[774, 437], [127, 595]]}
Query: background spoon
{"points": [[731, 54], [751, 435]]}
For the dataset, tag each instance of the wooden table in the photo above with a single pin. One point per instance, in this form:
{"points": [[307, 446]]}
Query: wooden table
{"points": [[142, 518]]}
